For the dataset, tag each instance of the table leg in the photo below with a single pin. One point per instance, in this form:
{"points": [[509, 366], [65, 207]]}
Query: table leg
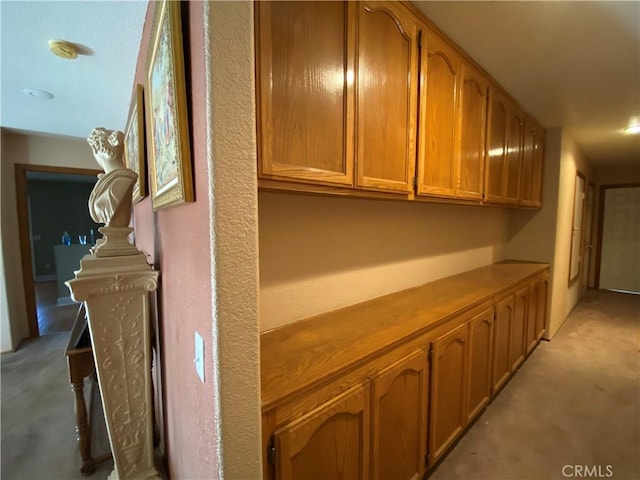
{"points": [[83, 432]]}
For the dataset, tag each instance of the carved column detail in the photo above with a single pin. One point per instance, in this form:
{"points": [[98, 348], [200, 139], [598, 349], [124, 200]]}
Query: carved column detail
{"points": [[115, 293]]}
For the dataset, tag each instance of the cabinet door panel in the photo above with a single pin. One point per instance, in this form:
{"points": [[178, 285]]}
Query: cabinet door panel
{"points": [[480, 349], [473, 111], [514, 156], [399, 419], [538, 164], [448, 390], [518, 330], [541, 309], [526, 176], [387, 96], [495, 168], [502, 328], [437, 165], [531, 335], [305, 100], [329, 442]]}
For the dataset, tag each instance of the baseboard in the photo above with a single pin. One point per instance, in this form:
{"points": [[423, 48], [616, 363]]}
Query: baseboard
{"points": [[46, 278]]}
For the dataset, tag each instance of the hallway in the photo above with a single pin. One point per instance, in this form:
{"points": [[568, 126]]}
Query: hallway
{"points": [[574, 402]]}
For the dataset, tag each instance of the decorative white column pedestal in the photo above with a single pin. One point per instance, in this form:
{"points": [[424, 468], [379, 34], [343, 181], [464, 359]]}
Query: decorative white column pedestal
{"points": [[115, 291]]}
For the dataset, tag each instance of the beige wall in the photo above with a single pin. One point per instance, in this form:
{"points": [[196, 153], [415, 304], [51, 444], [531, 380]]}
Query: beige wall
{"points": [[318, 254], [32, 150]]}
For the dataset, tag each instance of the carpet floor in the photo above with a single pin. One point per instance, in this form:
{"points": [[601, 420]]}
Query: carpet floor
{"points": [[571, 411]]}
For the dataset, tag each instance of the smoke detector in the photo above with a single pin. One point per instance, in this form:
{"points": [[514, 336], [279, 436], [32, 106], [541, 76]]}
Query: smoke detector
{"points": [[63, 49]]}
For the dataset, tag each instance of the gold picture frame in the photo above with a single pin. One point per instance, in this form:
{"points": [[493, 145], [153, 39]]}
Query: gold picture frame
{"points": [[134, 154], [167, 119]]}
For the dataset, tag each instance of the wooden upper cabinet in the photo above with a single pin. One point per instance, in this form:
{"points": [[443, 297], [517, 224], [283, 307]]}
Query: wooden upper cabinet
{"points": [[480, 348], [538, 161], [305, 91], [399, 419], [526, 173], [514, 156], [329, 442], [387, 89], [495, 164], [439, 117], [449, 378], [473, 122]]}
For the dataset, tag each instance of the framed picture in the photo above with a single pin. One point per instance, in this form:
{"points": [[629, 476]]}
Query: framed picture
{"points": [[166, 105], [134, 155]]}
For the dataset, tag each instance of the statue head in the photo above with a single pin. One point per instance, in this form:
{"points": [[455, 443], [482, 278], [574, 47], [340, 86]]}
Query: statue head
{"points": [[107, 147]]}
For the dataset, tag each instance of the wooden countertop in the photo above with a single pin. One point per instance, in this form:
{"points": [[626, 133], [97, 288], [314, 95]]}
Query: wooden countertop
{"points": [[297, 355]]}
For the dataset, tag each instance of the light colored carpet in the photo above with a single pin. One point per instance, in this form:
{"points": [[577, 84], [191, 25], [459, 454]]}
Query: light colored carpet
{"points": [[38, 420], [574, 402]]}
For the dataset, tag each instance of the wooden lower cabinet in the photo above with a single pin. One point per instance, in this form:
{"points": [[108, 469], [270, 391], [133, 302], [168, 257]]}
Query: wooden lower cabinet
{"points": [[332, 441], [449, 370], [542, 289], [518, 347], [502, 327], [480, 355], [399, 419]]}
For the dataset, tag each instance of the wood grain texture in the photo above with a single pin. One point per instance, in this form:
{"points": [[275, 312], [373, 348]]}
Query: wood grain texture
{"points": [[480, 356], [495, 166], [439, 116], [526, 174], [339, 429], [514, 155], [399, 418], [449, 382], [502, 334], [305, 121], [298, 356], [531, 334], [387, 74], [538, 165], [473, 115], [518, 347], [541, 309]]}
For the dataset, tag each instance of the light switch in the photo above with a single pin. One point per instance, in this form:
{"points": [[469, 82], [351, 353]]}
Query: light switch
{"points": [[199, 356]]}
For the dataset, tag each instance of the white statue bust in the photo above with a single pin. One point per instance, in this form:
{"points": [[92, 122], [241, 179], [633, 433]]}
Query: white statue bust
{"points": [[110, 201]]}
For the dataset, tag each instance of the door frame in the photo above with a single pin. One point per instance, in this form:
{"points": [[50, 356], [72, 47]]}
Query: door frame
{"points": [[602, 193], [21, 170]]}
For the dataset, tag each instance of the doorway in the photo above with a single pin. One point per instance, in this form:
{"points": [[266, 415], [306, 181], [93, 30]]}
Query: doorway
{"points": [[619, 238], [49, 294]]}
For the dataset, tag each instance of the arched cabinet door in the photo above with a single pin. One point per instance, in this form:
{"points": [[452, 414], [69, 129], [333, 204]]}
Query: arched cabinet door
{"points": [[305, 93], [518, 333], [331, 441], [399, 418], [514, 155], [526, 174], [387, 90], [480, 348], [438, 153], [449, 374], [473, 126], [502, 331], [495, 164]]}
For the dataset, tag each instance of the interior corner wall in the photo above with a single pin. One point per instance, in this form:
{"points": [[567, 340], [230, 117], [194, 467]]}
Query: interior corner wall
{"points": [[564, 297], [32, 150]]}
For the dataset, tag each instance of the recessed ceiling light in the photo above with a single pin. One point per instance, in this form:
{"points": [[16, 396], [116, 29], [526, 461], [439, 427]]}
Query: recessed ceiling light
{"points": [[63, 49], [634, 126], [34, 92]]}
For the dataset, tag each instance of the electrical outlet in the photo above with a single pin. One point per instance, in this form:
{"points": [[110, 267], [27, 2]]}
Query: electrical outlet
{"points": [[199, 356]]}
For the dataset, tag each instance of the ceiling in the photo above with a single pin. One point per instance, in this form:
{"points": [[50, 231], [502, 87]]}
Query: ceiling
{"points": [[574, 65], [91, 91], [569, 64]]}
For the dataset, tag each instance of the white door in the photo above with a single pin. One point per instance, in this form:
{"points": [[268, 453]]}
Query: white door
{"points": [[620, 264]]}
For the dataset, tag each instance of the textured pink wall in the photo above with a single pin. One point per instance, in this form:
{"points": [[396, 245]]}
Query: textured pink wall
{"points": [[178, 241]]}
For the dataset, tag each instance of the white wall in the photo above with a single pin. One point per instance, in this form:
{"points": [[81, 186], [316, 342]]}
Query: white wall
{"points": [[318, 254], [33, 150]]}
